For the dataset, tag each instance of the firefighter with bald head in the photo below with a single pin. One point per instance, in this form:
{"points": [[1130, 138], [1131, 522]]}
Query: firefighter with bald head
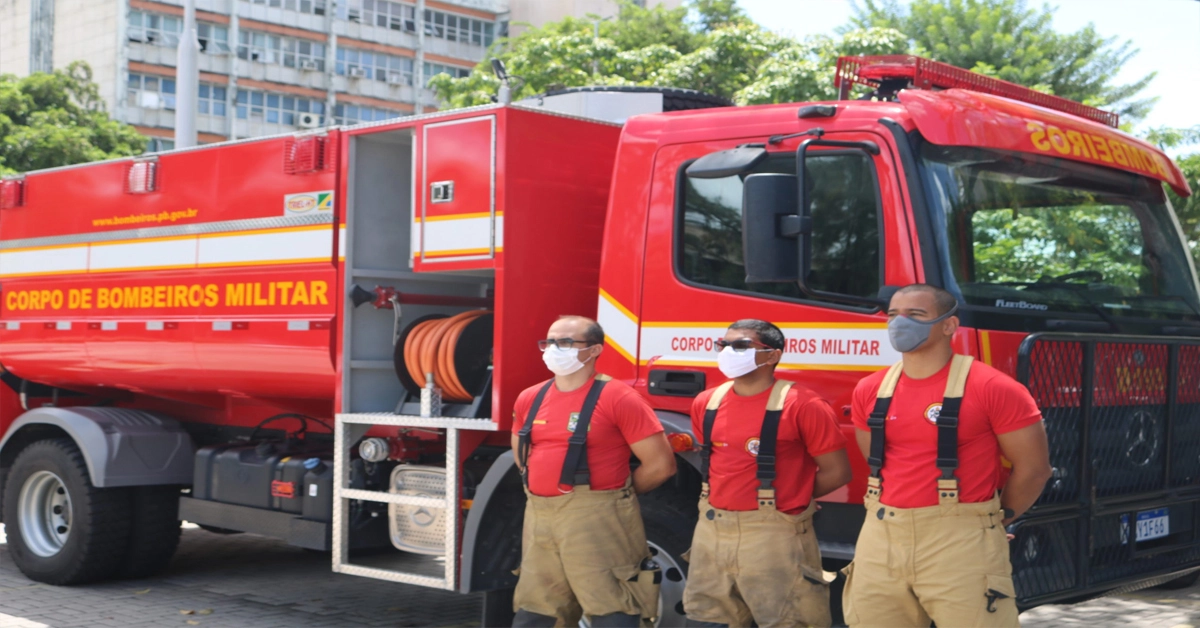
{"points": [[768, 448], [583, 545], [933, 428]]}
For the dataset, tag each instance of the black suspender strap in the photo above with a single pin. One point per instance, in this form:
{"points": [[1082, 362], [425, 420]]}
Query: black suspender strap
{"points": [[877, 421], [575, 467], [525, 434], [710, 417], [947, 420], [767, 438]]}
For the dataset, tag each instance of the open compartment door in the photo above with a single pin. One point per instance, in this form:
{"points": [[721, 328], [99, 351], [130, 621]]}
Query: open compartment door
{"points": [[456, 209]]}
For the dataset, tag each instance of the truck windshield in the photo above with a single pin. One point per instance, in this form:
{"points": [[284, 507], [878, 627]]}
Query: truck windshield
{"points": [[1034, 236]]}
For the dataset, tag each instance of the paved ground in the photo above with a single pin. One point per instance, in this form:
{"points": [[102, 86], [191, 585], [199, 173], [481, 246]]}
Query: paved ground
{"points": [[243, 581], [235, 581]]}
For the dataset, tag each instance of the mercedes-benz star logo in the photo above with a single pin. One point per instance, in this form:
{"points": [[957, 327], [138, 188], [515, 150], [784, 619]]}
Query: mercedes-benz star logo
{"points": [[1142, 440]]}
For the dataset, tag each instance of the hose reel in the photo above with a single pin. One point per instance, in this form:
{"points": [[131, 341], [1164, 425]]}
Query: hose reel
{"points": [[456, 350]]}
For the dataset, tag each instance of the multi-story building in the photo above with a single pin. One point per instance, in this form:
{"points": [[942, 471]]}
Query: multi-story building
{"points": [[270, 66], [266, 66]]}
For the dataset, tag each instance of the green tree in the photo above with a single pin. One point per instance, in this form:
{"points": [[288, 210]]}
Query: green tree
{"points": [[1009, 40], [58, 119], [721, 52], [1186, 208]]}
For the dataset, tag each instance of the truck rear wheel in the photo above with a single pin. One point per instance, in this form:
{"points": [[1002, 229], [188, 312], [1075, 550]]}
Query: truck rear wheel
{"points": [[154, 531], [61, 529], [670, 519]]}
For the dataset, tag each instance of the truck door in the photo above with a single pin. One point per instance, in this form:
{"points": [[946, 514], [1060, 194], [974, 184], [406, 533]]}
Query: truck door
{"points": [[695, 281]]}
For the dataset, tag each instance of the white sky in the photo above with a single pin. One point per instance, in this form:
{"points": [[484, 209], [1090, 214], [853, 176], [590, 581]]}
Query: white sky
{"points": [[1166, 31]]}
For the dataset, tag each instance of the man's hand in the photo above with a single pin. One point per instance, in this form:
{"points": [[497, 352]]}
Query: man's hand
{"points": [[516, 447], [658, 462]]}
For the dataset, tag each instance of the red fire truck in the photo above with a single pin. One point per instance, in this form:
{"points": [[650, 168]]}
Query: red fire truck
{"points": [[320, 337]]}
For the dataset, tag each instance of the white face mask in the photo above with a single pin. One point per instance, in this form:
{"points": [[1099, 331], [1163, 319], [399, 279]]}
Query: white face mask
{"points": [[736, 364], [562, 361]]}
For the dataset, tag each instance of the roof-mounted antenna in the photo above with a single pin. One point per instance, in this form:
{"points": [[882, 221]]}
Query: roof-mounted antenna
{"points": [[505, 95]]}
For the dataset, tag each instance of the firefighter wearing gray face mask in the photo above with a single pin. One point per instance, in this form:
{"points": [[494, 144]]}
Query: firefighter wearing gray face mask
{"points": [[933, 428]]}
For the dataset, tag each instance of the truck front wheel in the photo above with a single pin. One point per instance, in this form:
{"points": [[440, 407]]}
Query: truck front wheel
{"points": [[61, 529]]}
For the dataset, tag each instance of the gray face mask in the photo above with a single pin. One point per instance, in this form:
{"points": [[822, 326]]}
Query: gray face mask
{"points": [[907, 334]]}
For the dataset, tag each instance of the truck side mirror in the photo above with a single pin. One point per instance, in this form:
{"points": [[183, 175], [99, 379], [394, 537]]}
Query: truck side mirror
{"points": [[773, 234]]}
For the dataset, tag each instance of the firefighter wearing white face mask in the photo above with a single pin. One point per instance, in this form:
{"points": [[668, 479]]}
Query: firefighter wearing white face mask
{"points": [[583, 544], [769, 447]]}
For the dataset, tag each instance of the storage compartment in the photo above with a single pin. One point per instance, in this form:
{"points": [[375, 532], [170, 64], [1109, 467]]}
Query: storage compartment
{"points": [[267, 475]]}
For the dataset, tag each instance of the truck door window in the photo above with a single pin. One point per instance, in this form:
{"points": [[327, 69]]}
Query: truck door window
{"points": [[846, 234]]}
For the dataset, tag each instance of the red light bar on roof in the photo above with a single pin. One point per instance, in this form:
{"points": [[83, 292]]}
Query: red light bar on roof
{"points": [[933, 75]]}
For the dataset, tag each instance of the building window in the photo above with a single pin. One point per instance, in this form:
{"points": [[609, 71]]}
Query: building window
{"points": [[150, 92], [433, 69], [152, 28], [276, 108], [211, 100], [399, 16], [159, 144], [374, 66], [458, 28], [315, 7], [845, 223], [354, 114], [158, 92], [385, 14], [164, 30], [286, 51], [214, 38]]}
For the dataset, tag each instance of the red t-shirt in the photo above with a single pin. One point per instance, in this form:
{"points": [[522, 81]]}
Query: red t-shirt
{"points": [[621, 417], [993, 403], [807, 429]]}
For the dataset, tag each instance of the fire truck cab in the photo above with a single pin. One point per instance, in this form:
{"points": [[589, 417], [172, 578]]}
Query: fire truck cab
{"points": [[321, 337]]}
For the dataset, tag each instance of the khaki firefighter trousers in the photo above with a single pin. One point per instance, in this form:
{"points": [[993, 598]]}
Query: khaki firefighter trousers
{"points": [[761, 565], [582, 553], [948, 563]]}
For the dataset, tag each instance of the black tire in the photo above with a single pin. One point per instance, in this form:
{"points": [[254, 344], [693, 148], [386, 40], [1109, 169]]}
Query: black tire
{"points": [[1182, 582], [154, 531], [670, 519], [674, 98], [498, 607], [97, 536]]}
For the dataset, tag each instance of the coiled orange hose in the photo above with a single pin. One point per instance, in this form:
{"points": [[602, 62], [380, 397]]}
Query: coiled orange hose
{"points": [[429, 348]]}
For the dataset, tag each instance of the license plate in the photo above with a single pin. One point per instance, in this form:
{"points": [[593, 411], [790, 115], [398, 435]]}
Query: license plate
{"points": [[1153, 524]]}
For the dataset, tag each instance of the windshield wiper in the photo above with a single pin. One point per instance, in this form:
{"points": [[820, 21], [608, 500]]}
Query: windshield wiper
{"points": [[1082, 292]]}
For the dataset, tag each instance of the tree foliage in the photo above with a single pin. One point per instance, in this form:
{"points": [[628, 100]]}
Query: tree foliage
{"points": [[720, 52], [58, 119], [1009, 40], [1186, 208]]}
